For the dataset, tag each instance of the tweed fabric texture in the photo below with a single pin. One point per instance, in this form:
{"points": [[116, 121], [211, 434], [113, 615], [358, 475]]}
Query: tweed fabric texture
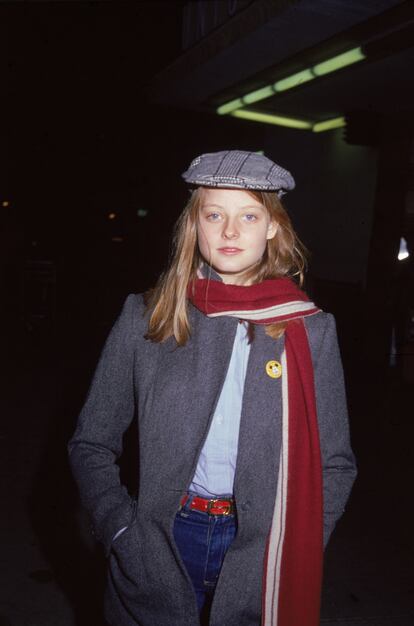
{"points": [[172, 393], [238, 169]]}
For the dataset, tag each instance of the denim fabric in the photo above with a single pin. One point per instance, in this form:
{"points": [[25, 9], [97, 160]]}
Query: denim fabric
{"points": [[203, 540]]}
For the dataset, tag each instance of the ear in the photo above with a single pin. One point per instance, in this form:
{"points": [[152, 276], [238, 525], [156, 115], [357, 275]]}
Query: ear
{"points": [[272, 230]]}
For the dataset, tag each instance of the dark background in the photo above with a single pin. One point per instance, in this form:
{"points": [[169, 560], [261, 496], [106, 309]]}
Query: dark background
{"points": [[82, 138]]}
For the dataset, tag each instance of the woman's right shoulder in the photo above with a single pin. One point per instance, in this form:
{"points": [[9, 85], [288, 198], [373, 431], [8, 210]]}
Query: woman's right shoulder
{"points": [[134, 313], [136, 302]]}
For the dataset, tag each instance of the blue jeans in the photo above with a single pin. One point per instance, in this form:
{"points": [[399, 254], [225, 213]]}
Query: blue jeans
{"points": [[203, 540]]}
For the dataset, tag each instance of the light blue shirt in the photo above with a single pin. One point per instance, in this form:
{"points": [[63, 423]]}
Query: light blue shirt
{"points": [[214, 475]]}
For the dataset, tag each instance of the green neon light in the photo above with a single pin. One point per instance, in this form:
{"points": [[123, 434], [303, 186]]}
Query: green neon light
{"points": [[259, 94], [338, 62], [336, 122], [278, 120], [294, 80], [228, 107]]}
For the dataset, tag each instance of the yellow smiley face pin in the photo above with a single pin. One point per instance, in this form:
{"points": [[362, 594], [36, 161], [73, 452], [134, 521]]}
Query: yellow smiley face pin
{"points": [[274, 369]]}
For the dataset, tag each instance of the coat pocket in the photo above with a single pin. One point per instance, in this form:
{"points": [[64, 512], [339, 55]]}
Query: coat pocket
{"points": [[123, 531], [126, 564]]}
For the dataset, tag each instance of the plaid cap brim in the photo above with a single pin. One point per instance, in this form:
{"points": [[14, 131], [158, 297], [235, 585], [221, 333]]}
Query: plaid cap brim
{"points": [[237, 169]]}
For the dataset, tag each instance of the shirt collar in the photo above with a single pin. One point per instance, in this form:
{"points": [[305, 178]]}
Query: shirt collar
{"points": [[208, 272]]}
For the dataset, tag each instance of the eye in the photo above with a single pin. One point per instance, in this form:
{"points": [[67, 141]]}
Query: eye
{"points": [[213, 216], [250, 217]]}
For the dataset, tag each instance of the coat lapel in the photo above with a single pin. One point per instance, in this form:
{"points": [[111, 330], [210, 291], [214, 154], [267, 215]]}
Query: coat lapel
{"points": [[261, 419], [188, 382]]}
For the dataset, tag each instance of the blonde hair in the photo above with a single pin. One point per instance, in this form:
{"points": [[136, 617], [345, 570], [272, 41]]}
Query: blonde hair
{"points": [[284, 257]]}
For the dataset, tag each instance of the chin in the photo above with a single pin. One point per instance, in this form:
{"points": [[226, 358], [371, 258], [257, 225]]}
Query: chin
{"points": [[229, 270]]}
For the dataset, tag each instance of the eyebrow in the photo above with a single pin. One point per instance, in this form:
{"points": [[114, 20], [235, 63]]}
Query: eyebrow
{"points": [[219, 206]]}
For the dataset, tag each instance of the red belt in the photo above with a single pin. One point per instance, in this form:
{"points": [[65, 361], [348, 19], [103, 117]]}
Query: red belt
{"points": [[213, 506]]}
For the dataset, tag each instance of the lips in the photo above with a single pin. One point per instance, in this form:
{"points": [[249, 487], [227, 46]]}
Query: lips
{"points": [[230, 251]]}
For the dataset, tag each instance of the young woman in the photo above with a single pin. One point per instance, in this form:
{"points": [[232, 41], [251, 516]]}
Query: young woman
{"points": [[236, 382]]}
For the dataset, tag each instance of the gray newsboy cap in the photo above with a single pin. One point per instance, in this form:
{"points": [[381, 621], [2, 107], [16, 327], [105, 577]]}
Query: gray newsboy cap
{"points": [[238, 169]]}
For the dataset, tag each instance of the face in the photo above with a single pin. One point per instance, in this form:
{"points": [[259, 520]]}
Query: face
{"points": [[232, 231]]}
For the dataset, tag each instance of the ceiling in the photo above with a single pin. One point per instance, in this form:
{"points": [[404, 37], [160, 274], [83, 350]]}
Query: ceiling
{"points": [[266, 41]]}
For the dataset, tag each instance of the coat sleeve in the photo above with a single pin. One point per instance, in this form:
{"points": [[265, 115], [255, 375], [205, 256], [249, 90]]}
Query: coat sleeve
{"points": [[97, 442], [338, 461]]}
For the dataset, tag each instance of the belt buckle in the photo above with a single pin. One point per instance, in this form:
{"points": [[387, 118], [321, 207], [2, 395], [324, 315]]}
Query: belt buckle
{"points": [[213, 502]]}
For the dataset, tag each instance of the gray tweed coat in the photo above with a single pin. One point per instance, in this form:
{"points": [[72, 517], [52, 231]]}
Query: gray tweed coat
{"points": [[173, 392]]}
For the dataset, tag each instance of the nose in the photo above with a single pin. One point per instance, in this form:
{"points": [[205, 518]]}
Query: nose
{"points": [[230, 230]]}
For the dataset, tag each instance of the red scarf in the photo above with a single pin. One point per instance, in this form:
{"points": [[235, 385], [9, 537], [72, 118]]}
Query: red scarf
{"points": [[292, 575]]}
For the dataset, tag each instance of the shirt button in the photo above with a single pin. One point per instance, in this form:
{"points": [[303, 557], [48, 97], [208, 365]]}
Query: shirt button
{"points": [[219, 419], [245, 506]]}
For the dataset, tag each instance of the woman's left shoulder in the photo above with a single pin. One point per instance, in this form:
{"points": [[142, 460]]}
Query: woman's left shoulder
{"points": [[321, 331], [320, 322]]}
